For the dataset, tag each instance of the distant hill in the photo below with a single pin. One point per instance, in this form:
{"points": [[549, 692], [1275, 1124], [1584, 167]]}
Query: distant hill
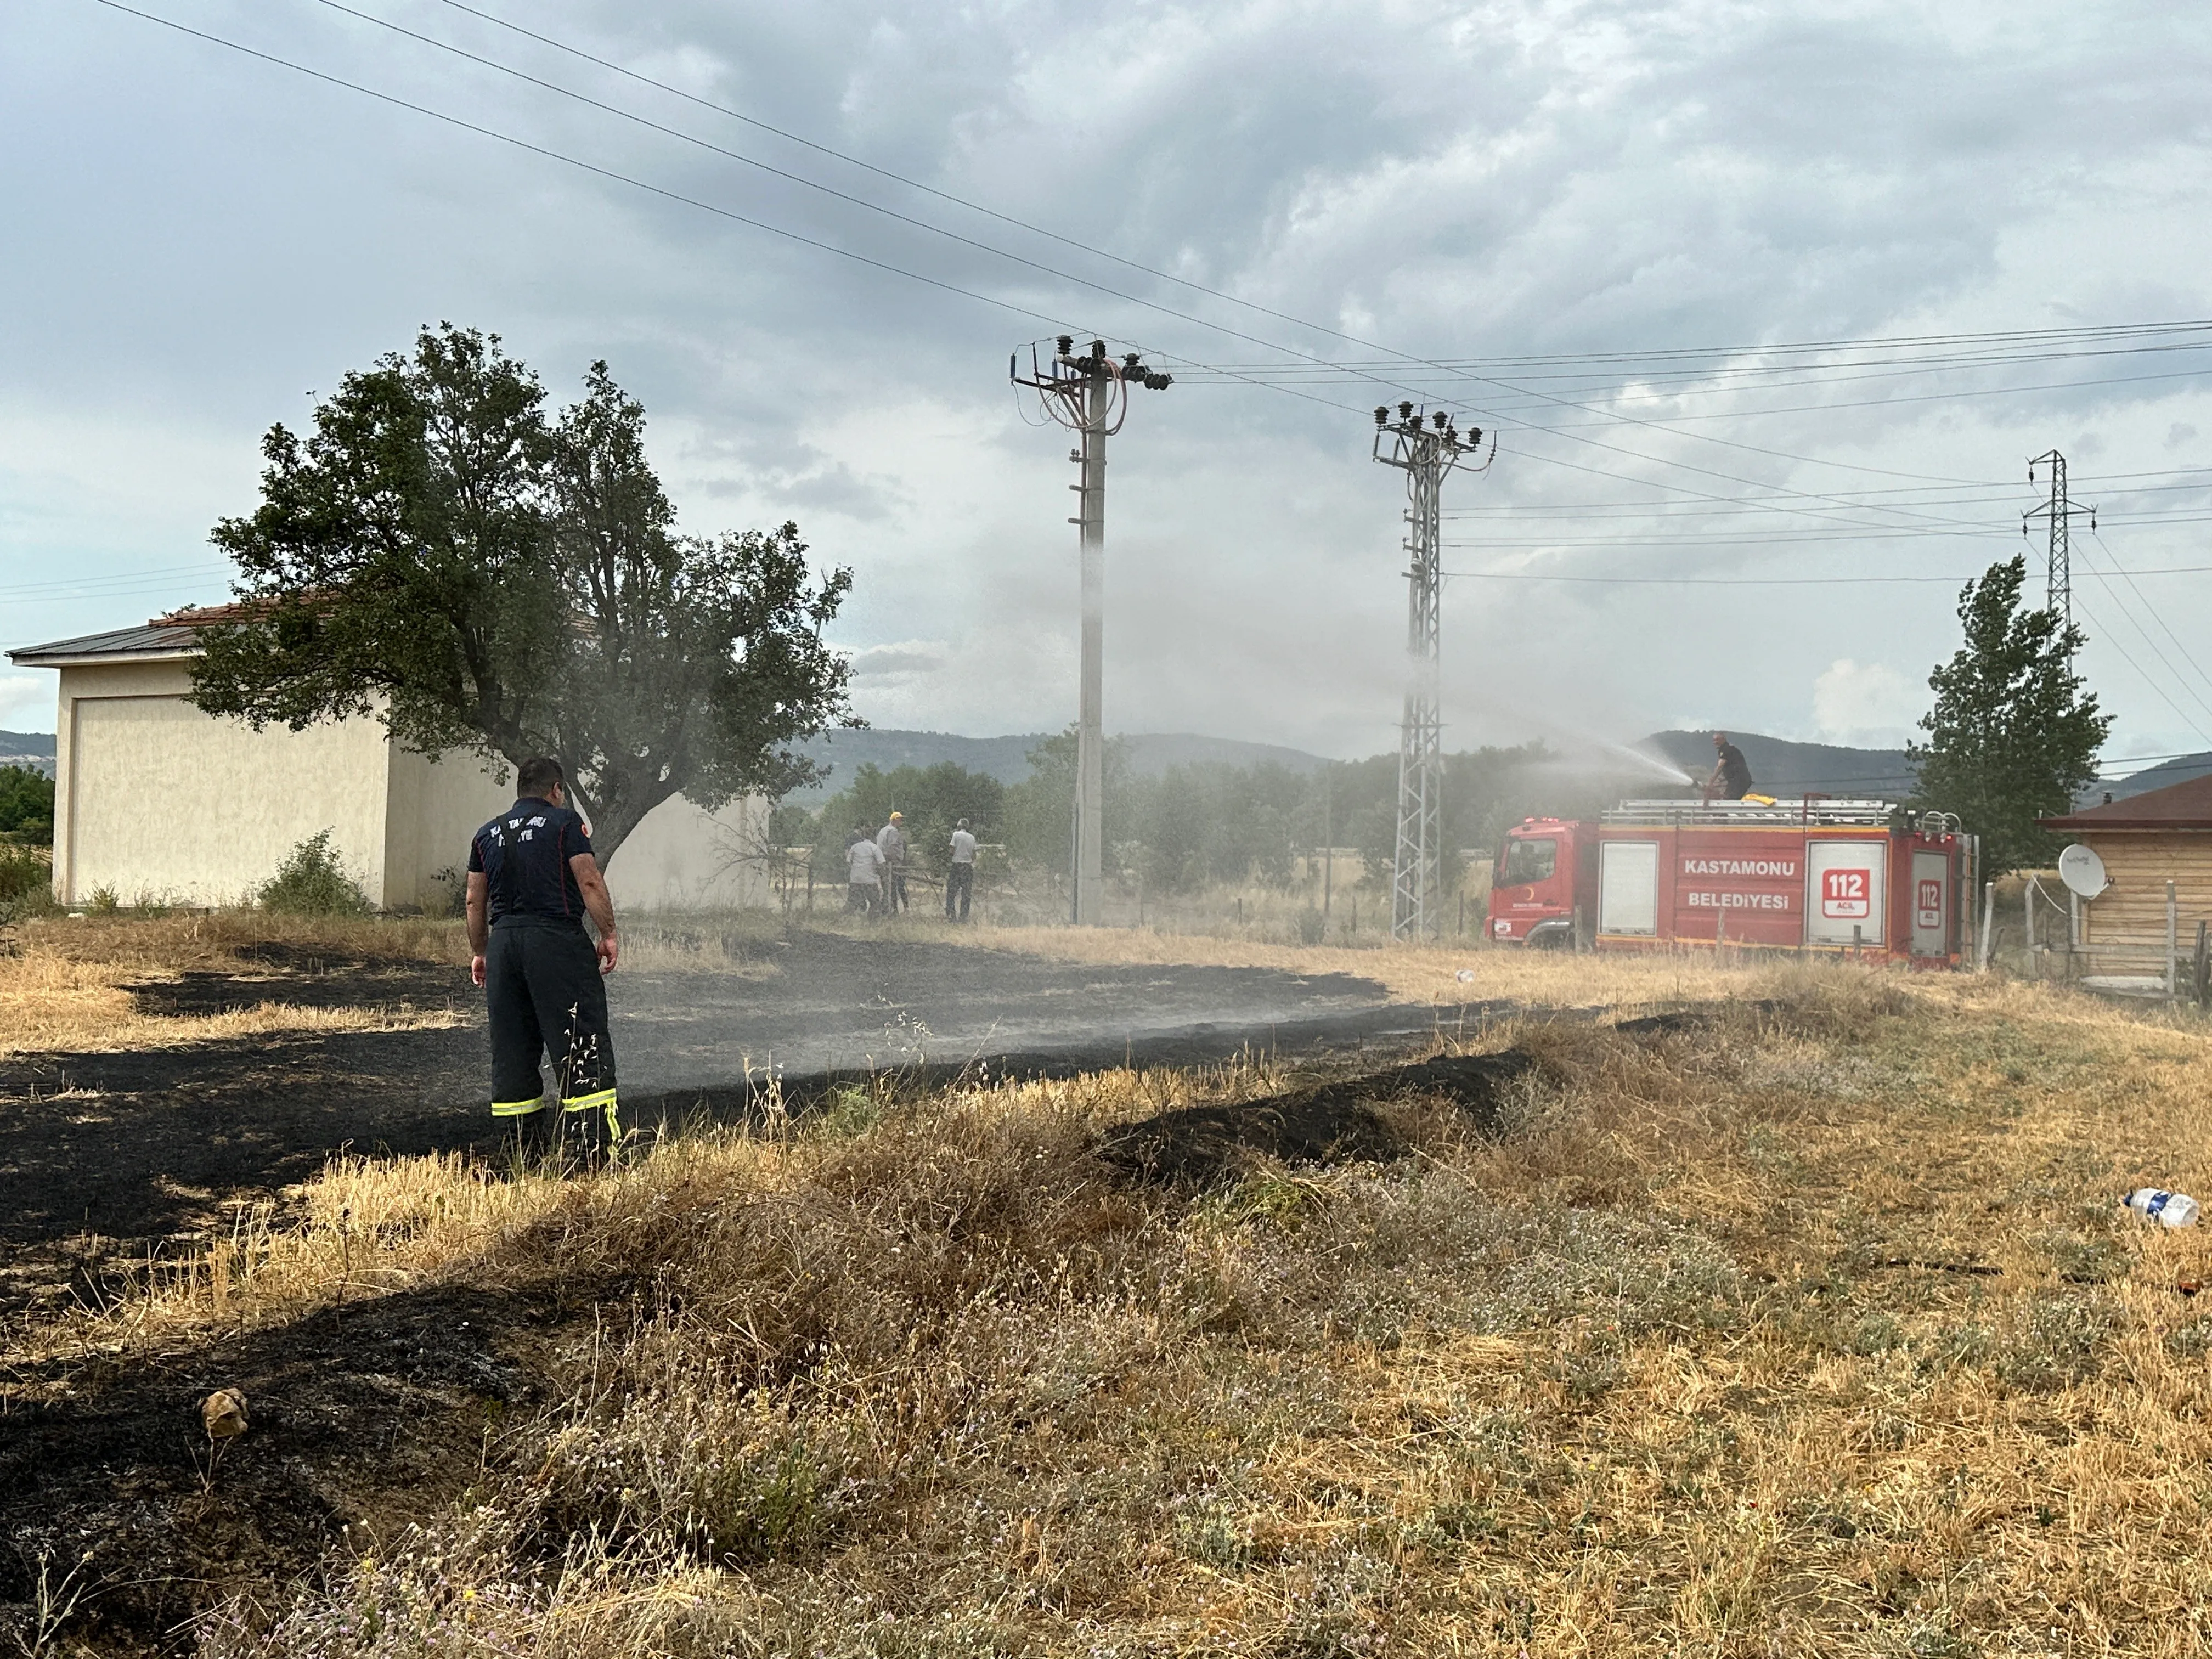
{"points": [[1006, 758], [2180, 769], [31, 749], [1780, 767]]}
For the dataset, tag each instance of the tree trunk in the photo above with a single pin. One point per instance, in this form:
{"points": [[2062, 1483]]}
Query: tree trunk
{"points": [[611, 829]]}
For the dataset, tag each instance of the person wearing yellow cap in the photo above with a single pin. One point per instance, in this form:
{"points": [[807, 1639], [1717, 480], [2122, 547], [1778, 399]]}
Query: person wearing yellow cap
{"points": [[890, 841]]}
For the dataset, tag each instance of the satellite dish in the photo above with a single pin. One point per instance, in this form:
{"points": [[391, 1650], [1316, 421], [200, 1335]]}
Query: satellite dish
{"points": [[2082, 871]]}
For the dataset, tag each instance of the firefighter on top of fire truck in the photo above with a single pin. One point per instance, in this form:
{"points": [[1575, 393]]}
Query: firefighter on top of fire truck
{"points": [[1731, 778]]}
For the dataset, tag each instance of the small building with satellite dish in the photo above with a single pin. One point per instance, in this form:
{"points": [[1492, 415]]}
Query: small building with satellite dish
{"points": [[2124, 855]]}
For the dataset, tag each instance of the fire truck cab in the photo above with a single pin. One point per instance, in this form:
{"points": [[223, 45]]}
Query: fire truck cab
{"points": [[1543, 886], [1856, 876]]}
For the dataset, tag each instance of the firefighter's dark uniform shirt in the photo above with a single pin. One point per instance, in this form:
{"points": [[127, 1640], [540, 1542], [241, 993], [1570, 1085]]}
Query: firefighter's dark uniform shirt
{"points": [[543, 987], [1735, 773], [523, 855]]}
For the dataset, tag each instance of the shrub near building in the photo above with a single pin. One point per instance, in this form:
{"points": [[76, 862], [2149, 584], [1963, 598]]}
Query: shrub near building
{"points": [[27, 805], [26, 829], [311, 882]]}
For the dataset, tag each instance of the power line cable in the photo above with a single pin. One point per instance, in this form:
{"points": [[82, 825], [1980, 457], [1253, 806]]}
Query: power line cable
{"points": [[2108, 637], [1994, 496], [886, 266], [1118, 294], [1757, 581], [726, 111], [91, 586], [482, 130], [883, 265], [2025, 336], [2120, 600], [1624, 366], [396, 101], [2157, 615]]}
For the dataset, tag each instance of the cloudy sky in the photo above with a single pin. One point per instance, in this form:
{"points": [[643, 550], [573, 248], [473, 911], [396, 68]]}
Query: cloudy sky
{"points": [[1606, 231]]}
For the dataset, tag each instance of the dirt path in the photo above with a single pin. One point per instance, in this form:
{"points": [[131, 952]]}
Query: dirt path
{"points": [[105, 1155]]}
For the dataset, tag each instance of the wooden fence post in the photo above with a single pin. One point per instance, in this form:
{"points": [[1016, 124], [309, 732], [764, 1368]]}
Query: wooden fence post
{"points": [[2172, 941]]}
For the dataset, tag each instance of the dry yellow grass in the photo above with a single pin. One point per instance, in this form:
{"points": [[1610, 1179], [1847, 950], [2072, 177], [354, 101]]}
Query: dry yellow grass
{"points": [[212, 938], [1815, 1332], [1417, 973], [64, 984]]}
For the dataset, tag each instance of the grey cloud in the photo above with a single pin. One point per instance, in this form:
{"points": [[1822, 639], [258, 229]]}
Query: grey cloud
{"points": [[906, 660], [207, 238]]}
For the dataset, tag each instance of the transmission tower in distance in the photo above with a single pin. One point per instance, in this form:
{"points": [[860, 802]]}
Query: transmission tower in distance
{"points": [[2059, 566], [1425, 447], [1089, 395]]}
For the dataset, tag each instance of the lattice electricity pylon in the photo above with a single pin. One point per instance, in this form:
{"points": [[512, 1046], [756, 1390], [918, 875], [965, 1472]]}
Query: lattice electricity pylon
{"points": [[1090, 394], [2058, 562], [1425, 450]]}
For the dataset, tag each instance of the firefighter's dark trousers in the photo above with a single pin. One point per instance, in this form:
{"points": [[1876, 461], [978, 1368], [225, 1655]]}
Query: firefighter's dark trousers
{"points": [[545, 996]]}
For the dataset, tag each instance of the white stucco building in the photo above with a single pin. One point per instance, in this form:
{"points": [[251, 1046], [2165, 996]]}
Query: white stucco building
{"points": [[155, 800]]}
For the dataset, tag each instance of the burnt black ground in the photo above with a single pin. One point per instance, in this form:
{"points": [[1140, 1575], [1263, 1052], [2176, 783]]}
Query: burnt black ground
{"points": [[382, 1411], [372, 1415], [1321, 1123], [366, 1415], [105, 1155]]}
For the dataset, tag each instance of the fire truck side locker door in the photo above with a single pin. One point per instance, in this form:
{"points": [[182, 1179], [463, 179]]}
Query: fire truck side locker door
{"points": [[1931, 904], [1846, 888], [1628, 887]]}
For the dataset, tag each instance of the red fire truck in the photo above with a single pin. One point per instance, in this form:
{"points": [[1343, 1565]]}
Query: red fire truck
{"points": [[1860, 876]]}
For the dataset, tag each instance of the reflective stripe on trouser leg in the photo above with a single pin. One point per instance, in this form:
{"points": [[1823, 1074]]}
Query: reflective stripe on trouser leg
{"points": [[515, 1108], [598, 1098]]}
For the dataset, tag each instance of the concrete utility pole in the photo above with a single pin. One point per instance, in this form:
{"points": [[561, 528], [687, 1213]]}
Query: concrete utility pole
{"points": [[2058, 565], [1091, 395], [1425, 451]]}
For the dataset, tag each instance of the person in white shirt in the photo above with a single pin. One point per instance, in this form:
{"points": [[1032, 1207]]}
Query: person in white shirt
{"points": [[890, 841], [960, 873], [864, 871]]}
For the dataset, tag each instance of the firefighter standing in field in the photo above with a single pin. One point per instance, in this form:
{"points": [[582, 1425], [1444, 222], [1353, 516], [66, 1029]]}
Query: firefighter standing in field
{"points": [[1731, 778], [533, 879]]}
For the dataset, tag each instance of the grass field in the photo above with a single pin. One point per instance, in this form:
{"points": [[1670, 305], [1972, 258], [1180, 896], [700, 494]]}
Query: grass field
{"points": [[1809, 1326], [66, 983], [72, 983]]}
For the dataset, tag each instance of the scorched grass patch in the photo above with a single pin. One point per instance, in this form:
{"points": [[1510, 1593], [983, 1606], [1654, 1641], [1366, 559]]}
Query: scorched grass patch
{"points": [[1805, 1321]]}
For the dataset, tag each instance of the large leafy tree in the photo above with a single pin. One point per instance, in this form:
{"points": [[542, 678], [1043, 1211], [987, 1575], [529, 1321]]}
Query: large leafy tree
{"points": [[443, 553], [2013, 735]]}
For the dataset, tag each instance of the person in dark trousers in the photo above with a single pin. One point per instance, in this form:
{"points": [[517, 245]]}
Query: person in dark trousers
{"points": [[960, 873], [890, 841], [533, 879], [1731, 778]]}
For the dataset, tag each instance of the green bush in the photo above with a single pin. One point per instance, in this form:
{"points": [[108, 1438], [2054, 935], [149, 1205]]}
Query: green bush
{"points": [[26, 804], [311, 882], [27, 883]]}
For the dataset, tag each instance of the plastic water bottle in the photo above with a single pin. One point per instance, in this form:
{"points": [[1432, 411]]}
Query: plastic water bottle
{"points": [[2156, 1204]]}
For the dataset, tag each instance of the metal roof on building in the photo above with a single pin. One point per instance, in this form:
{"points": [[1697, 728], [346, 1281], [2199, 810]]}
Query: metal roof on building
{"points": [[2186, 805], [158, 638]]}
